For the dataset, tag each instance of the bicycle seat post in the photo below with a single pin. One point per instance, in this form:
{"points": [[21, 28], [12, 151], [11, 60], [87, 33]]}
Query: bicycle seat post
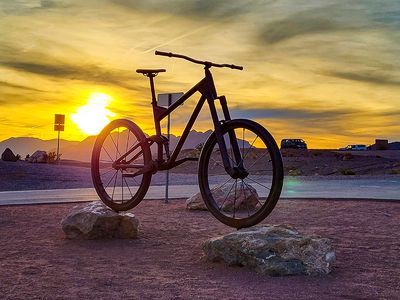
{"points": [[153, 92]]}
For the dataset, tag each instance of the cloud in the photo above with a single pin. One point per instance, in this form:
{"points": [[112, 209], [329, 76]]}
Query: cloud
{"points": [[17, 86], [25, 7], [325, 18], [197, 8], [371, 77], [12, 99], [387, 15], [282, 30], [89, 73], [287, 113]]}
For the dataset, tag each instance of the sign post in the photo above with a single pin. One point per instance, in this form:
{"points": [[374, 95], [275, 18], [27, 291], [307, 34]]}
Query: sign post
{"points": [[59, 122], [165, 100]]}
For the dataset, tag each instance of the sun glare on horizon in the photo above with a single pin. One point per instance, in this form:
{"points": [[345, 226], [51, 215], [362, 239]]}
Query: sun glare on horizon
{"points": [[92, 117]]}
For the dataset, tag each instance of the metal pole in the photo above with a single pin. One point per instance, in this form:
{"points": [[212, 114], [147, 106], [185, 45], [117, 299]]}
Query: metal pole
{"points": [[58, 146], [168, 136]]}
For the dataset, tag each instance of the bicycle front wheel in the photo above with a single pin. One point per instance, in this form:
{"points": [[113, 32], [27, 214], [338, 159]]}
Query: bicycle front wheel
{"points": [[246, 200], [119, 153]]}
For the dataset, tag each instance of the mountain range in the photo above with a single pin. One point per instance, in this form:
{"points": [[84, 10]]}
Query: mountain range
{"points": [[81, 151]]}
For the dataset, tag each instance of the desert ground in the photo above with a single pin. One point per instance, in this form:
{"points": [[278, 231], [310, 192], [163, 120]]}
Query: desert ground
{"points": [[166, 261]]}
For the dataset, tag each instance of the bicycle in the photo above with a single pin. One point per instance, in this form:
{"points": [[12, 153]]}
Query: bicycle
{"points": [[237, 156]]}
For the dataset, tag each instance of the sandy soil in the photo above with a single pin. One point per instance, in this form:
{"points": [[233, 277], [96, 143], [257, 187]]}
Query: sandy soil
{"points": [[166, 261]]}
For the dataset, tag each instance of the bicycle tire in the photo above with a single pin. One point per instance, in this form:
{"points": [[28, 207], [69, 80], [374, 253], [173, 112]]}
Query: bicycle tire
{"points": [[208, 172], [119, 134]]}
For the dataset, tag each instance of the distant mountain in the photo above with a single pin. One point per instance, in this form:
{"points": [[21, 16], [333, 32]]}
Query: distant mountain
{"points": [[194, 138], [28, 145], [82, 150], [394, 146]]}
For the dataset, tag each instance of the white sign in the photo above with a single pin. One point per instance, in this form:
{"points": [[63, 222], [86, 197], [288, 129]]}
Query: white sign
{"points": [[167, 99]]}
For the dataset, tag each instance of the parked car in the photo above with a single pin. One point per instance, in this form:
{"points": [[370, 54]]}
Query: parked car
{"points": [[293, 144], [354, 148]]}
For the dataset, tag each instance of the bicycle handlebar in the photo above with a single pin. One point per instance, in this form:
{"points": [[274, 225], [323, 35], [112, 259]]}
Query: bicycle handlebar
{"points": [[208, 64]]}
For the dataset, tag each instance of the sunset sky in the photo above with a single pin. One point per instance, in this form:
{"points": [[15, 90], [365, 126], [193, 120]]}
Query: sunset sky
{"points": [[327, 71]]}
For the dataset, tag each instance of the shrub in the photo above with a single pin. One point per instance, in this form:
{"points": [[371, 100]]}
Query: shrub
{"points": [[347, 172], [316, 153], [348, 156], [199, 147], [394, 172], [52, 157], [294, 172]]}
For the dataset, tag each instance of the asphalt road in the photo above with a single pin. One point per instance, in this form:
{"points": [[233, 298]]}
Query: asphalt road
{"points": [[294, 187]]}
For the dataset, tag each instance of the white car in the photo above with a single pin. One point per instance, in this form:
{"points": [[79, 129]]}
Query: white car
{"points": [[354, 148]]}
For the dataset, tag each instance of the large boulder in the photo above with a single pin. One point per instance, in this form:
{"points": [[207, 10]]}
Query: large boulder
{"points": [[246, 197], [38, 157], [97, 221], [8, 155], [273, 250]]}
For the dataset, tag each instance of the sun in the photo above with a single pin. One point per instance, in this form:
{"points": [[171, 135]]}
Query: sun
{"points": [[92, 117]]}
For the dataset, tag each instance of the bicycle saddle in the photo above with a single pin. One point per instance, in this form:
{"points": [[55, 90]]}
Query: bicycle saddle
{"points": [[150, 72]]}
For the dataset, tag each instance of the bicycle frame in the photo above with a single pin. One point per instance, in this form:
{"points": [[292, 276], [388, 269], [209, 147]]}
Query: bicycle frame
{"points": [[206, 88]]}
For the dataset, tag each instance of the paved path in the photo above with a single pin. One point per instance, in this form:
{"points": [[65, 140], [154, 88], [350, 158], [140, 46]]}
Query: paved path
{"points": [[388, 188], [293, 188]]}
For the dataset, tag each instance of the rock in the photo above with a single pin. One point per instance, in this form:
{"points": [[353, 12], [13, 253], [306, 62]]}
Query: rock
{"points": [[246, 198], [38, 157], [97, 221], [196, 202], [273, 250], [8, 155], [294, 172], [347, 156]]}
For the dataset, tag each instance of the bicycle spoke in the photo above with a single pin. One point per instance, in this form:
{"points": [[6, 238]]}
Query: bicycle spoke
{"points": [[244, 195], [230, 178], [107, 153], [116, 147], [226, 197], [255, 181], [115, 181], [251, 191], [251, 146], [102, 174], [249, 168], [134, 179], [217, 162], [122, 186], [105, 161], [127, 185], [234, 200], [111, 179]]}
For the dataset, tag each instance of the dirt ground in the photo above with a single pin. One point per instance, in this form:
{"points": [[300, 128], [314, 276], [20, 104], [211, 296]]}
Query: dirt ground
{"points": [[166, 261]]}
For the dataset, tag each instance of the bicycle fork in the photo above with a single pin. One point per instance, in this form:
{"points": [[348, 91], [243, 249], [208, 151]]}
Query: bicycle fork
{"points": [[237, 171]]}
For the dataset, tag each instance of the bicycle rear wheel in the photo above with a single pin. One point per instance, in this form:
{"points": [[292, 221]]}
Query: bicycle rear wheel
{"points": [[119, 152], [247, 200]]}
